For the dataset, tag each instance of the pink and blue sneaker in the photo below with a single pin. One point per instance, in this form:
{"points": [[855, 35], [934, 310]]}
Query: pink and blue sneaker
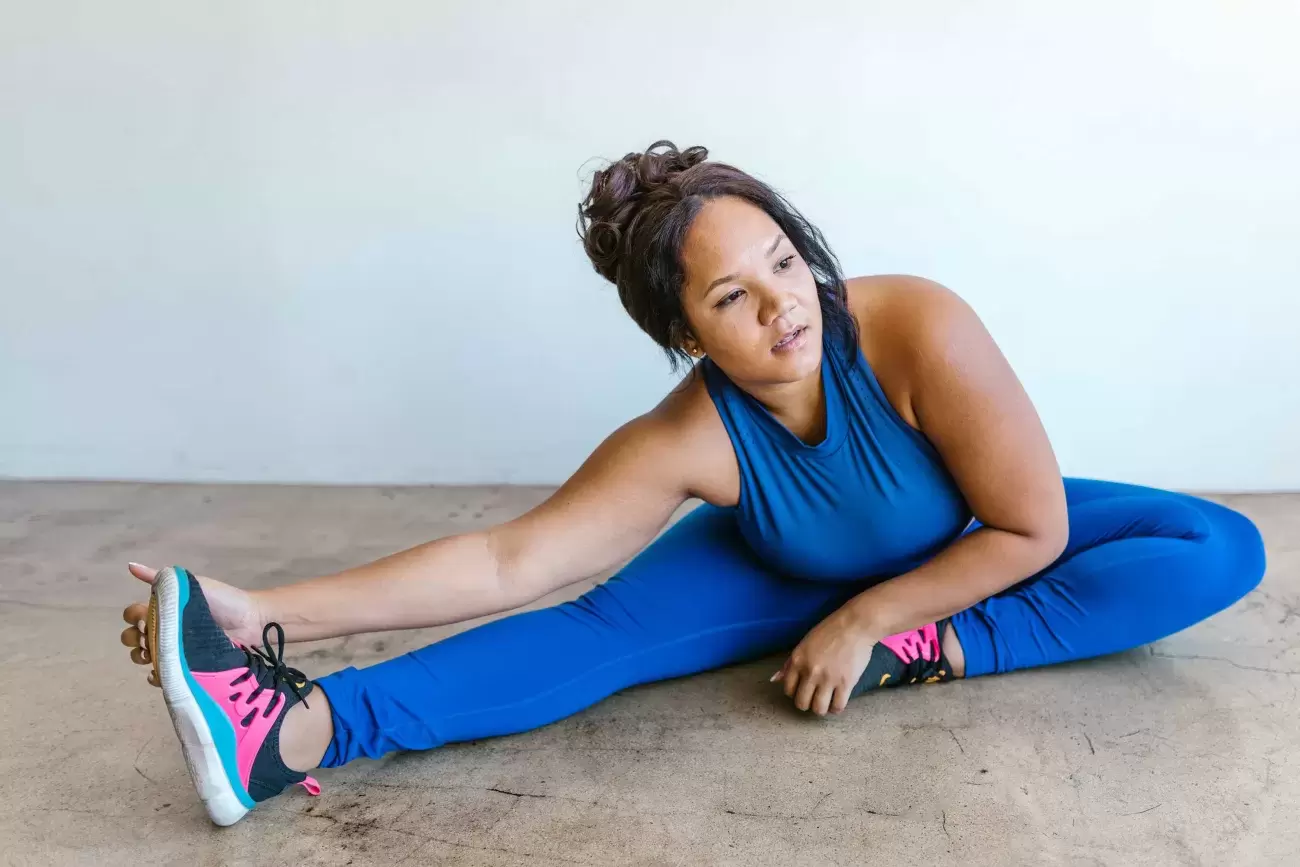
{"points": [[915, 656], [227, 702]]}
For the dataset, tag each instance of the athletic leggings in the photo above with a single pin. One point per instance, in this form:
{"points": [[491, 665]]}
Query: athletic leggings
{"points": [[1140, 564]]}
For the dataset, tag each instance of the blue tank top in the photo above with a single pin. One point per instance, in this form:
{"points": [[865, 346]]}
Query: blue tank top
{"points": [[873, 499]]}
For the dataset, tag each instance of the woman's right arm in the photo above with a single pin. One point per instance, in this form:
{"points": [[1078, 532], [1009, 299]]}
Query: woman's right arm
{"points": [[616, 502]]}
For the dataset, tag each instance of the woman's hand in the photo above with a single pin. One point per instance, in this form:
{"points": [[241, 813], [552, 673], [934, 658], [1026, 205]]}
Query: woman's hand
{"points": [[235, 611], [823, 668]]}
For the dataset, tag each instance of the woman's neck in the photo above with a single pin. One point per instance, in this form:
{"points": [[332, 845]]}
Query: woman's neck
{"points": [[800, 406]]}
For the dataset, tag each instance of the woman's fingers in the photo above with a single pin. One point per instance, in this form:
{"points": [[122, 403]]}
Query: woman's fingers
{"points": [[136, 612], [140, 654], [841, 700], [823, 702], [804, 694], [808, 695], [144, 573], [135, 635]]}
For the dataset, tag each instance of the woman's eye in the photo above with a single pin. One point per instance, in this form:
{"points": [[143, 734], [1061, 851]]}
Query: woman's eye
{"points": [[730, 298], [784, 264]]}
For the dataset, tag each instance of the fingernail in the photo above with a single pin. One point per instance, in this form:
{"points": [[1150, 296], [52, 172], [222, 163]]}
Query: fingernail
{"points": [[774, 677]]}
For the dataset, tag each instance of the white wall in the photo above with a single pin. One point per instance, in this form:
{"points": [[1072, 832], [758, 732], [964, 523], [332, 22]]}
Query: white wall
{"points": [[255, 241]]}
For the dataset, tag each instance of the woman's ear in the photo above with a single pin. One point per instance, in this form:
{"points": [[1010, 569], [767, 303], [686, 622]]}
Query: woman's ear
{"points": [[685, 340]]}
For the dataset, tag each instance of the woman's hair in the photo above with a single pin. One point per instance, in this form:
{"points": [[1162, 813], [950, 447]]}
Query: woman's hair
{"points": [[634, 221]]}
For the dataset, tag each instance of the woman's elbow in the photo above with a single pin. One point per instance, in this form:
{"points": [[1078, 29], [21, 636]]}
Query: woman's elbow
{"points": [[1040, 543], [1050, 539]]}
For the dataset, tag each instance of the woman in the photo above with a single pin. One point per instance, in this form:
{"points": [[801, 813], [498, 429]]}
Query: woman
{"points": [[879, 496]]}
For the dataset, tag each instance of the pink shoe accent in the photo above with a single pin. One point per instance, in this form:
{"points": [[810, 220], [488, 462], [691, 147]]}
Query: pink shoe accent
{"points": [[915, 644], [312, 787], [248, 739]]}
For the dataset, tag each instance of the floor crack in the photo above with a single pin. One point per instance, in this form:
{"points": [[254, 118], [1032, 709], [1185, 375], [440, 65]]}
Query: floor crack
{"points": [[136, 764], [1221, 659], [516, 794]]}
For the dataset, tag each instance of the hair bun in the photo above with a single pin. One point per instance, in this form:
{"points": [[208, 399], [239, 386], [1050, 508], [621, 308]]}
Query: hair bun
{"points": [[654, 169], [617, 195]]}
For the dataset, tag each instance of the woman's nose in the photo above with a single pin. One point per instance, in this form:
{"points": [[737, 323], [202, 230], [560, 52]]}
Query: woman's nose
{"points": [[777, 304]]}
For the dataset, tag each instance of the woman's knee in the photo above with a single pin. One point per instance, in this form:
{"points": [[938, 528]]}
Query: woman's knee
{"points": [[1238, 559]]}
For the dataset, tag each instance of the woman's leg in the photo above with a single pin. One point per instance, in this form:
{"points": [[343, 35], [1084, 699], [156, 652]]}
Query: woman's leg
{"points": [[1141, 564], [695, 599]]}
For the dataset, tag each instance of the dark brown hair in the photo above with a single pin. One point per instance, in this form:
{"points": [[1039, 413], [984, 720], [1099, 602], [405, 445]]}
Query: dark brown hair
{"points": [[634, 221]]}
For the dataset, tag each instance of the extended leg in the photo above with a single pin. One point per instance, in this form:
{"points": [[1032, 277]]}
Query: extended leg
{"points": [[696, 599]]}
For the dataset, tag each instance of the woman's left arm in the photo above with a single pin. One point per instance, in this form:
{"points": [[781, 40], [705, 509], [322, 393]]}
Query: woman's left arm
{"points": [[970, 405]]}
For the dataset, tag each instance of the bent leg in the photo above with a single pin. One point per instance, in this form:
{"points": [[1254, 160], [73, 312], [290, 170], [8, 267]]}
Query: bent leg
{"points": [[695, 599], [1141, 564]]}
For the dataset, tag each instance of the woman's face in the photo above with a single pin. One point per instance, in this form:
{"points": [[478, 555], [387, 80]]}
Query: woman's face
{"points": [[749, 297]]}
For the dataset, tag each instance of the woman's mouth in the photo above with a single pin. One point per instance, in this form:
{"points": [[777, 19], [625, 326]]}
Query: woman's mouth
{"points": [[793, 339]]}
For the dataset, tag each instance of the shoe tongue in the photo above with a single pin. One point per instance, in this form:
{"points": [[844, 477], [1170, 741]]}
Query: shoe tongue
{"points": [[288, 683]]}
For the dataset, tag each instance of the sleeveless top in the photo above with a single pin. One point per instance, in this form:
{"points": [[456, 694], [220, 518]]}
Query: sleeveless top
{"points": [[873, 499]]}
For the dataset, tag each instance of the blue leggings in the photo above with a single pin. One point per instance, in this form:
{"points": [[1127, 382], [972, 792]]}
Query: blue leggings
{"points": [[1140, 564]]}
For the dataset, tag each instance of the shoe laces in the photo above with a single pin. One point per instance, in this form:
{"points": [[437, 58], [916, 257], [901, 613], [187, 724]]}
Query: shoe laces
{"points": [[266, 666]]}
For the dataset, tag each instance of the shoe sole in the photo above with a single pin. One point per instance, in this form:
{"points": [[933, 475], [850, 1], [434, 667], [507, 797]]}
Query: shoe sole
{"points": [[194, 728]]}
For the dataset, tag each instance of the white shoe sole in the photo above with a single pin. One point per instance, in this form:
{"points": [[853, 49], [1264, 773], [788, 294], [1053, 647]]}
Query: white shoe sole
{"points": [[202, 757]]}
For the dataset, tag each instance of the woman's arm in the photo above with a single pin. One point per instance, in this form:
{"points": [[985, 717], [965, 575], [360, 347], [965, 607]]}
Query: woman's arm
{"points": [[613, 505], [948, 378], [969, 403]]}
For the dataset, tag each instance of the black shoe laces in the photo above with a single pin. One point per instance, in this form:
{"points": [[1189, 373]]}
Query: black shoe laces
{"points": [[268, 668]]}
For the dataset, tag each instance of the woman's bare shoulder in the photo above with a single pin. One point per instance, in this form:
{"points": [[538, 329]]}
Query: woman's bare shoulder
{"points": [[882, 302], [901, 320], [688, 419]]}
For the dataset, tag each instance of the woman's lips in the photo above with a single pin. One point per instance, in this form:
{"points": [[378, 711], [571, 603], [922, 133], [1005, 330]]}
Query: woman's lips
{"points": [[792, 341]]}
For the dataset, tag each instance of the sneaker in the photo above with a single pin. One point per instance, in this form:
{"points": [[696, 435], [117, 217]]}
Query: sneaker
{"points": [[226, 701], [915, 656]]}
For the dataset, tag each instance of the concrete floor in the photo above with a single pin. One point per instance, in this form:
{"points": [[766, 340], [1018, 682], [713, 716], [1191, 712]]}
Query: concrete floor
{"points": [[1187, 752]]}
